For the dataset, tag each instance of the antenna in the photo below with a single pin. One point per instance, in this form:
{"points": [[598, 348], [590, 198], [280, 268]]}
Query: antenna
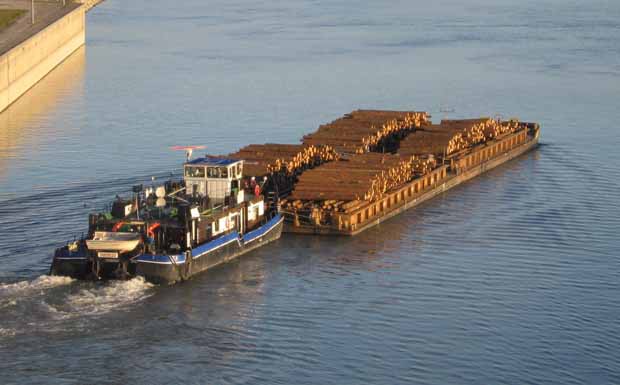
{"points": [[188, 150]]}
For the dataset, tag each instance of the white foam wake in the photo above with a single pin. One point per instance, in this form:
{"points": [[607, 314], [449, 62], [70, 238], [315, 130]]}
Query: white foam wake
{"points": [[100, 299], [35, 286]]}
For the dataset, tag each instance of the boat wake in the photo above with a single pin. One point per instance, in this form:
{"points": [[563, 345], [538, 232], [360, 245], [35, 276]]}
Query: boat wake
{"points": [[52, 303], [11, 292], [101, 299]]}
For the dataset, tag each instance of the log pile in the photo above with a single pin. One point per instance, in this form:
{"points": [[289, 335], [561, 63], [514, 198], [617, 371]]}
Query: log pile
{"points": [[452, 136], [480, 132], [309, 157], [360, 177], [366, 130], [263, 159]]}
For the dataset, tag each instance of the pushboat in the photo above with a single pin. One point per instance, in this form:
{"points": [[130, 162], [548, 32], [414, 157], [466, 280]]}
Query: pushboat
{"points": [[171, 232]]}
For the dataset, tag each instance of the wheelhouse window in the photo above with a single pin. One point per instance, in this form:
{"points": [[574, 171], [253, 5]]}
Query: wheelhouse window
{"points": [[217, 172], [213, 172], [195, 172]]}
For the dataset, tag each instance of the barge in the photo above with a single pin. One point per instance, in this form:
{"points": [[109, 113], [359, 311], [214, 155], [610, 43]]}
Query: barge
{"points": [[173, 231], [369, 165]]}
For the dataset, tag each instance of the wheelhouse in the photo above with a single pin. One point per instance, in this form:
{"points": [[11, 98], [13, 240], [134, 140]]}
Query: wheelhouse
{"points": [[216, 178]]}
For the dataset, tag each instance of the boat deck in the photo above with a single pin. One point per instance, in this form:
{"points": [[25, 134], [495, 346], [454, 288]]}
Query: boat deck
{"points": [[409, 195]]}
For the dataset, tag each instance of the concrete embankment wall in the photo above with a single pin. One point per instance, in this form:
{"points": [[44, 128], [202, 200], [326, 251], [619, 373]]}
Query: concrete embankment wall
{"points": [[88, 4], [27, 63]]}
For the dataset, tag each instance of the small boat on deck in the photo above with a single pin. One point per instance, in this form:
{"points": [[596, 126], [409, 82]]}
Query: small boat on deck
{"points": [[173, 231]]}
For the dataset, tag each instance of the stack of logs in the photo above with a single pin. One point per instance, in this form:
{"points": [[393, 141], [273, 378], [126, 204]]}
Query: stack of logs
{"points": [[480, 132], [361, 177], [263, 159], [452, 136], [366, 130]]}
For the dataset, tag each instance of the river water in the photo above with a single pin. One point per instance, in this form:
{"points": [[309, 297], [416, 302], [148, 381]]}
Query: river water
{"points": [[511, 278]]}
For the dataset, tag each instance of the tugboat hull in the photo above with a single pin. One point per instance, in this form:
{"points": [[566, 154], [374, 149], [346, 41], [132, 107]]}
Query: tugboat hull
{"points": [[168, 269], [75, 267]]}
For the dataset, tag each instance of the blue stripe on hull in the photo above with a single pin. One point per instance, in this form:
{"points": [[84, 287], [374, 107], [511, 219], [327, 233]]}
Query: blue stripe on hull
{"points": [[212, 245], [264, 229], [161, 259]]}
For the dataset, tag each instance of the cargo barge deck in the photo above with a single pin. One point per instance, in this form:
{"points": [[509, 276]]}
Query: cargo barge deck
{"points": [[409, 196], [369, 165]]}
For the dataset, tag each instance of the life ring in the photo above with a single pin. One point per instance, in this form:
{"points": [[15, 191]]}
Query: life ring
{"points": [[118, 225], [150, 231]]}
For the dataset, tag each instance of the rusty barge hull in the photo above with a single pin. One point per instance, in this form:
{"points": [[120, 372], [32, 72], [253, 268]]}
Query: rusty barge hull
{"points": [[417, 191]]}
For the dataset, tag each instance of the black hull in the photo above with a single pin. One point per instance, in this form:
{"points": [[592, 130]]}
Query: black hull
{"points": [[168, 269]]}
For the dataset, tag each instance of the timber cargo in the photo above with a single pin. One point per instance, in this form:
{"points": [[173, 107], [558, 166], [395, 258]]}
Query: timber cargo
{"points": [[370, 165]]}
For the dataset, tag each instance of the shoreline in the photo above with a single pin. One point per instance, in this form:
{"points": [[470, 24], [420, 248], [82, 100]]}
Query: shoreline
{"points": [[28, 52]]}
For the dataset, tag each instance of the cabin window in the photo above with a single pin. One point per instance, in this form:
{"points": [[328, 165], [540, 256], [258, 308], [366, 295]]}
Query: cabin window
{"points": [[223, 172], [417, 188], [216, 226], [359, 218], [213, 172], [402, 196], [195, 172], [366, 213]]}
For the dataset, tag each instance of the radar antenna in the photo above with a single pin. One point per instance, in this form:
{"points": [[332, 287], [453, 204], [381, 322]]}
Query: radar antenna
{"points": [[188, 150]]}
